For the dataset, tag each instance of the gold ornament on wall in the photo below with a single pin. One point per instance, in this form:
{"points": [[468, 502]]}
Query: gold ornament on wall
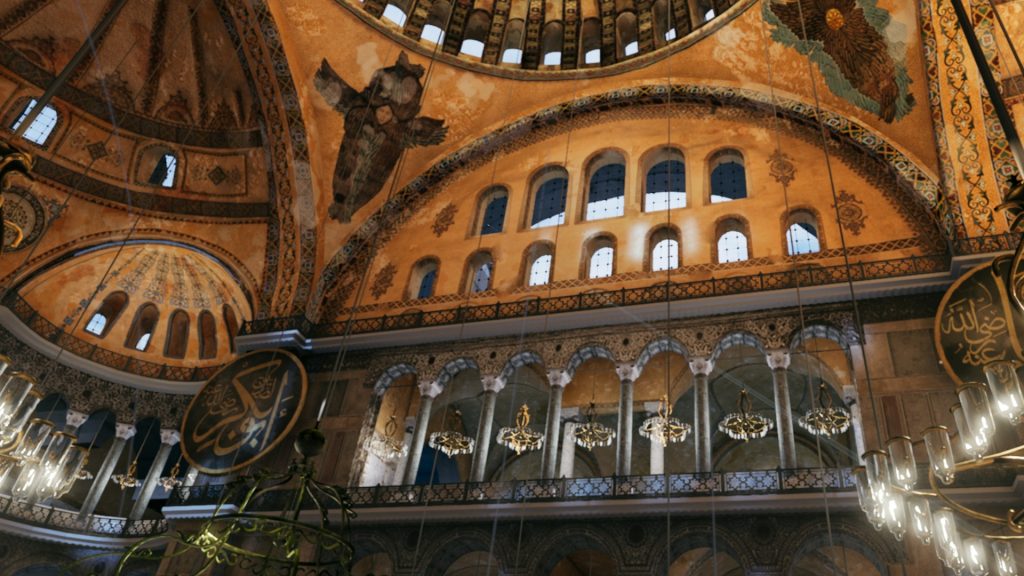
{"points": [[444, 219]]}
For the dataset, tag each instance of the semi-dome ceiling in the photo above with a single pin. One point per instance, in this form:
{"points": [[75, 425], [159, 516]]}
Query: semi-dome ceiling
{"points": [[508, 37], [170, 61]]}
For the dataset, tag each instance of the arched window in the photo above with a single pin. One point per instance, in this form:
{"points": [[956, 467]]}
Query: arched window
{"points": [[728, 176], [143, 327], [177, 335], [104, 316], [231, 324], [478, 25], [626, 34], [38, 132], [551, 44], [491, 215], [512, 47], [590, 42], [600, 257], [163, 172], [665, 185], [549, 198], [606, 196], [539, 258], [424, 279], [394, 14], [802, 233], [207, 335], [437, 18], [664, 246], [480, 272], [732, 241], [663, 31]]}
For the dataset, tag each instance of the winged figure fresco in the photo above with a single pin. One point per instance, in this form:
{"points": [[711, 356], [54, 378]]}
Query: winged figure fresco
{"points": [[860, 55], [380, 122]]}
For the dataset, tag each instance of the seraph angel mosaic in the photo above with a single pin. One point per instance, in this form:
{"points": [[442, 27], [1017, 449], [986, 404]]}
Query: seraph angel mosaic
{"points": [[380, 122], [854, 43]]}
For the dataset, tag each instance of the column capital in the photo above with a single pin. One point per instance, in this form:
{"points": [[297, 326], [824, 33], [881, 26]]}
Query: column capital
{"points": [[74, 418], [701, 366], [124, 431], [778, 359], [430, 389], [627, 372], [558, 378], [169, 436], [493, 383]]}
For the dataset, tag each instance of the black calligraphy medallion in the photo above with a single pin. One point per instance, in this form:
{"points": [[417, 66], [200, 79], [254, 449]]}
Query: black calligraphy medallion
{"points": [[243, 412], [976, 324]]}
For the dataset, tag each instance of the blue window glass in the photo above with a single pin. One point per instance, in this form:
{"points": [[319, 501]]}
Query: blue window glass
{"points": [[427, 284], [728, 182], [666, 186], [607, 192], [494, 215], [549, 206]]}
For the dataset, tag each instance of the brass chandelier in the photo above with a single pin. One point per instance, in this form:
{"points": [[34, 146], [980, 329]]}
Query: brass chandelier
{"points": [[521, 437], [592, 433], [387, 446], [663, 427], [452, 442], [744, 424], [826, 419]]}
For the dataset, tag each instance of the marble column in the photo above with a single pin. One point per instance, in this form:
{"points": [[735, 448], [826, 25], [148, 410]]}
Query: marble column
{"points": [[73, 420], [399, 471], [122, 433], [856, 417], [168, 439], [566, 468], [428, 391], [627, 375], [492, 386], [778, 361], [558, 380], [657, 449], [701, 368]]}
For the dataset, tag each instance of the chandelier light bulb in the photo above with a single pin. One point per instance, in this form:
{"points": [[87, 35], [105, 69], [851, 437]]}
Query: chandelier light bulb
{"points": [[940, 453], [895, 514], [977, 411], [920, 518], [902, 463], [1005, 562], [974, 445], [1004, 384], [867, 499], [948, 545], [877, 464], [975, 557]]}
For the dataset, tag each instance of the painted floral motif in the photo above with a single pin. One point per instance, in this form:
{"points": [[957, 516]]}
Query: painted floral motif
{"points": [[851, 212], [383, 280], [444, 219], [781, 167]]}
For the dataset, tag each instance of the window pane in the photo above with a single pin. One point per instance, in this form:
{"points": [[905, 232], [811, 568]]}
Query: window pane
{"points": [[163, 173], [433, 34], [728, 182], [427, 284], [143, 342], [665, 255], [592, 56], [601, 262], [473, 48], [540, 271], [666, 186], [552, 58], [40, 128], [670, 35], [482, 278], [97, 324], [607, 192], [494, 215], [394, 14], [549, 206], [512, 56], [802, 238], [732, 247], [632, 48]]}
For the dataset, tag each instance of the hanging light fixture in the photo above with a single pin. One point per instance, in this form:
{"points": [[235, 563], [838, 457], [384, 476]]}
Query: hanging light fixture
{"points": [[825, 420], [388, 446], [128, 479], [744, 424], [520, 437], [18, 400], [663, 427], [592, 433], [171, 481], [452, 442]]}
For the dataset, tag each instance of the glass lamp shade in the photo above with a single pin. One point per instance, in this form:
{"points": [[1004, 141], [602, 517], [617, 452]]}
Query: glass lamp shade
{"points": [[974, 445], [948, 545], [1005, 562], [866, 497], [5, 363], [920, 518], [940, 453], [876, 463], [34, 440], [902, 463], [9, 434], [8, 467], [895, 514], [975, 557], [1004, 384], [39, 476], [70, 471], [977, 410], [17, 401]]}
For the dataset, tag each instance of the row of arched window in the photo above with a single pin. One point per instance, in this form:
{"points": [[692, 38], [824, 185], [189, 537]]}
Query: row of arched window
{"points": [[664, 188], [552, 39], [147, 318], [663, 253], [158, 165]]}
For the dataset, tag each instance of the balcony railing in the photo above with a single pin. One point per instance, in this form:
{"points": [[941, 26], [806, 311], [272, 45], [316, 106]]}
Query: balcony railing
{"points": [[69, 520], [562, 489]]}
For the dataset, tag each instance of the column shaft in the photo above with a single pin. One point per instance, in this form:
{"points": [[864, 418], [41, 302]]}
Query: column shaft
{"points": [[784, 419], [624, 467], [483, 437], [419, 434], [701, 423], [102, 477], [156, 470], [551, 437], [568, 450]]}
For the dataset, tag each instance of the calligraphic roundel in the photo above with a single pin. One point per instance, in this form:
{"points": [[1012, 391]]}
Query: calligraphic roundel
{"points": [[243, 412], [977, 323]]}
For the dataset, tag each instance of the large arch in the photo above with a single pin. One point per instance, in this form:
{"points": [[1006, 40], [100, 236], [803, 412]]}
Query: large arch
{"points": [[862, 144], [658, 346], [520, 360], [587, 352]]}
